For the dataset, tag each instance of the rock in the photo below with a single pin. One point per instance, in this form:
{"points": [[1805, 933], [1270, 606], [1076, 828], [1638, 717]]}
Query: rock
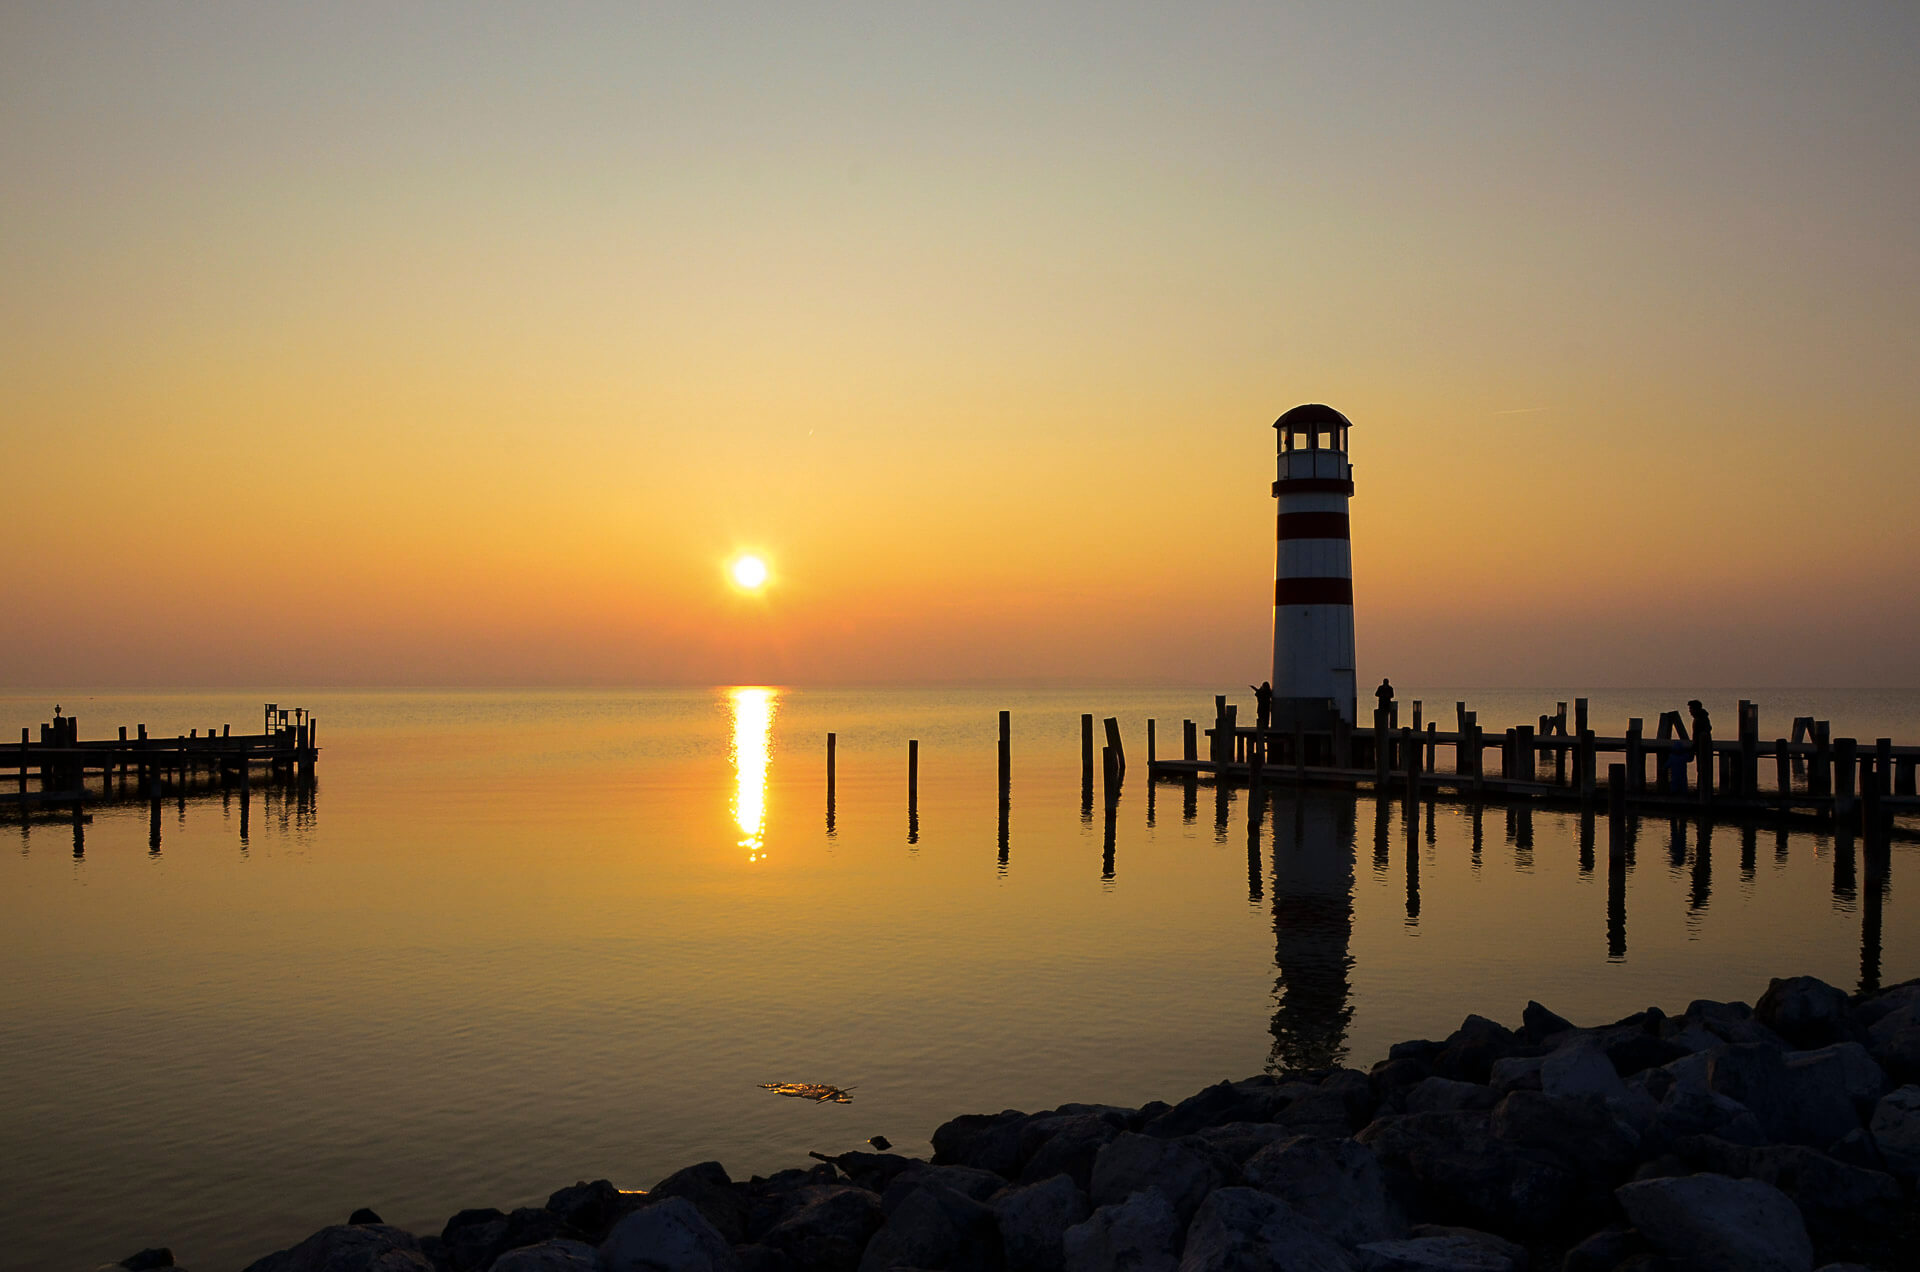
{"points": [[1896, 1130], [153, 1257], [1537, 1024], [1470, 1051], [985, 1141], [1435, 1249], [1581, 1068], [1318, 1112], [1756, 1075], [1806, 1011], [472, 1238], [1356, 1088], [1716, 1224], [590, 1209], [1821, 1086], [1636, 1052], [1856, 1148], [936, 1227], [1141, 1234], [880, 1142], [365, 1247], [1516, 1073], [829, 1230], [773, 1198], [1834, 1198], [559, 1255], [1689, 1110], [1858, 1074], [713, 1195], [1898, 1052], [1603, 1251], [874, 1171], [1444, 1095], [1245, 1230], [1392, 1079], [1730, 1022], [1337, 1182], [965, 1180], [1468, 1176], [1237, 1141], [1579, 1132], [1250, 1101], [1177, 1168], [759, 1258], [668, 1236], [1069, 1148], [1421, 1049], [1034, 1220], [1871, 1011], [363, 1215]]}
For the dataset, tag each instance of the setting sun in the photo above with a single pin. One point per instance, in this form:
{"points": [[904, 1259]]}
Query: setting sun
{"points": [[749, 572]]}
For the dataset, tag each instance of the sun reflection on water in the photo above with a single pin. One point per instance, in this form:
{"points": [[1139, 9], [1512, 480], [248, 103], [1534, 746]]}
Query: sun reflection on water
{"points": [[753, 711]]}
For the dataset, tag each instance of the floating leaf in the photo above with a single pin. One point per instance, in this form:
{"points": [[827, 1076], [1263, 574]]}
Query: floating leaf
{"points": [[819, 1092]]}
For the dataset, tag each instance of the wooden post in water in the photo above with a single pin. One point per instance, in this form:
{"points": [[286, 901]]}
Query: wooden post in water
{"points": [[1381, 750], [1342, 743], [1418, 706], [1903, 776], [1433, 728], [1230, 723], [1113, 742], [1086, 750], [1006, 748], [1616, 792], [1846, 768], [1153, 751], [832, 739], [1189, 740], [913, 772], [1529, 757], [1636, 764], [1782, 772], [1820, 772], [1411, 752]]}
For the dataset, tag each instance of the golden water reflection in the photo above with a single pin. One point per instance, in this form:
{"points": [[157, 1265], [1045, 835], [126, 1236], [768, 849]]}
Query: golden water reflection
{"points": [[753, 711]]}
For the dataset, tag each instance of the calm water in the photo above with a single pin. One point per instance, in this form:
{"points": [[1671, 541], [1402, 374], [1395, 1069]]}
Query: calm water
{"points": [[516, 939]]}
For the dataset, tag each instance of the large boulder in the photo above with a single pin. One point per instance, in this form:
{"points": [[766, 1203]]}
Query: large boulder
{"points": [[1755, 1074], [1465, 1175], [1181, 1170], [1823, 1087], [1065, 1145], [1444, 1095], [590, 1209], [368, 1247], [713, 1194], [1716, 1224], [1246, 1230], [1582, 1068], [1338, 1182], [1806, 1011], [1469, 1052], [986, 1141], [559, 1255], [1896, 1130], [1254, 1100], [936, 1228], [670, 1236], [829, 1230], [1141, 1234], [1237, 1141], [1436, 1249], [1537, 1024], [1834, 1198], [1854, 1070], [1730, 1022], [471, 1239], [1033, 1222], [965, 1180]]}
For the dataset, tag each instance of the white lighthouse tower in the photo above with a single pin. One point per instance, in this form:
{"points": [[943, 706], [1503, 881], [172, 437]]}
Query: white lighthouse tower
{"points": [[1313, 665]]}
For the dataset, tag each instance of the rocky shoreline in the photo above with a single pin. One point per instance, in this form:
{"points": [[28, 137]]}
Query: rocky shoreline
{"points": [[1783, 1136]]}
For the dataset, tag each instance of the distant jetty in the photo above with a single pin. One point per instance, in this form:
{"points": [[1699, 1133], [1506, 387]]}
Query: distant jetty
{"points": [[1772, 1138]]}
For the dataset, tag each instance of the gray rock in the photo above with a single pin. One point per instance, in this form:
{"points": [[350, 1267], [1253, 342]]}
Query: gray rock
{"points": [[669, 1236], [1898, 1052], [470, 1240], [1581, 1068], [1469, 1053], [759, 1258], [1581, 1133], [1245, 1230], [936, 1227], [1318, 1111], [349, 1248], [1857, 1072], [1889, 1000], [1133, 1162], [1537, 1024], [1756, 1075], [1254, 1100], [1338, 1182], [1141, 1234], [829, 1230], [160, 1257], [1444, 1250], [1858, 1149], [1603, 1251], [1806, 1011], [977, 1184], [1730, 1022], [985, 1141], [1034, 1220], [589, 1208], [1467, 1175], [1716, 1224], [1690, 1110], [559, 1255], [1065, 1145], [1896, 1130], [1516, 1073], [1444, 1095], [1237, 1141], [1821, 1086], [1834, 1198]]}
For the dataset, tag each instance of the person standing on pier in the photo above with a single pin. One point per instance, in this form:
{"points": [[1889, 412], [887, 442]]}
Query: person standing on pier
{"points": [[1384, 693], [1263, 704]]}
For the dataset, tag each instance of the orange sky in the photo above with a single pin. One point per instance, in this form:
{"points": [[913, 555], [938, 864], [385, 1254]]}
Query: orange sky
{"points": [[373, 347]]}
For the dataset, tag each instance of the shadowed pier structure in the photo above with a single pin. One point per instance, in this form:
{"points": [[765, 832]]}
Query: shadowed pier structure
{"points": [[62, 770]]}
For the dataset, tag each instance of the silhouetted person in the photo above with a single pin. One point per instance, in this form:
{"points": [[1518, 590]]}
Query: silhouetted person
{"points": [[1384, 693], [1263, 703], [1702, 725]]}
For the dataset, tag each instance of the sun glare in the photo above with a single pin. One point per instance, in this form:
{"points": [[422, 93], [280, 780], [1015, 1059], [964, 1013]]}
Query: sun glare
{"points": [[749, 572]]}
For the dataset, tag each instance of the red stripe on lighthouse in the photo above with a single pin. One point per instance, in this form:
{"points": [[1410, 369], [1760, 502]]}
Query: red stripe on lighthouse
{"points": [[1313, 592], [1314, 525]]}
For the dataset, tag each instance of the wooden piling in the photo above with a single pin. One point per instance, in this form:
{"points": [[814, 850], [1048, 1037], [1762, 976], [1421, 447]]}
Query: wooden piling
{"points": [[1820, 772], [1636, 764], [1112, 726], [1782, 771], [1190, 740], [913, 770], [1006, 749], [1381, 749], [1846, 768], [1086, 750], [1152, 747], [832, 739]]}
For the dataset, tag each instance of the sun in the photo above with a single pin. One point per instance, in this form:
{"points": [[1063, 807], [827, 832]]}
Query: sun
{"points": [[749, 572]]}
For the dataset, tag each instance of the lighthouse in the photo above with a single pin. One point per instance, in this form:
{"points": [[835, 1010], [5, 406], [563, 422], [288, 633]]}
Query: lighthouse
{"points": [[1313, 666]]}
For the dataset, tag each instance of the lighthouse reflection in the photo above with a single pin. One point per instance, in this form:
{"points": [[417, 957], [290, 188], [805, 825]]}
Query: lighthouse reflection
{"points": [[1313, 879], [752, 750]]}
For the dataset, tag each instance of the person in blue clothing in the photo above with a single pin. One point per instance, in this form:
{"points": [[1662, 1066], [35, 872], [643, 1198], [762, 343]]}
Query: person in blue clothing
{"points": [[1678, 757]]}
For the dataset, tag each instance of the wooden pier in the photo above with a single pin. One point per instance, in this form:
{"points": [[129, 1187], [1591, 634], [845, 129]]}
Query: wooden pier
{"points": [[1808, 776], [62, 770]]}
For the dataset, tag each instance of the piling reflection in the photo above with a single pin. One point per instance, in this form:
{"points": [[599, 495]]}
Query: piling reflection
{"points": [[1313, 881], [751, 752]]}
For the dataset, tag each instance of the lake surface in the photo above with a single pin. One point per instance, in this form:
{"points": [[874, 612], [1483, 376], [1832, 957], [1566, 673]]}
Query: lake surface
{"points": [[511, 940]]}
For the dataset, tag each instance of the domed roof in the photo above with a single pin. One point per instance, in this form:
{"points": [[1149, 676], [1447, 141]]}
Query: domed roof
{"points": [[1313, 415]]}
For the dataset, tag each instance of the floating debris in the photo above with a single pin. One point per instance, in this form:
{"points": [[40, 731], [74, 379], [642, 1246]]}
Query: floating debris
{"points": [[818, 1092], [881, 1142]]}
